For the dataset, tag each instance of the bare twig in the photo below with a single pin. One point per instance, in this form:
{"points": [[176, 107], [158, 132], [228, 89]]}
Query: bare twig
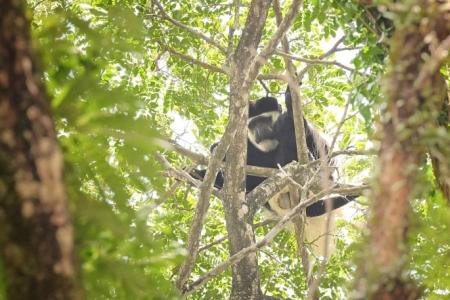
{"points": [[173, 188], [264, 223], [315, 280], [334, 48], [182, 174], [314, 285], [281, 77], [269, 49], [265, 87], [173, 145], [179, 173], [313, 61], [232, 29], [192, 60], [283, 27], [224, 238], [302, 150], [203, 202], [341, 123], [218, 241], [266, 239], [189, 29], [348, 49]]}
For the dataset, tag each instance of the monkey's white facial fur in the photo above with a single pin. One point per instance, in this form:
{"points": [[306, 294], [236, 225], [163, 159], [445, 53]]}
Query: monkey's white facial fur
{"points": [[261, 132]]}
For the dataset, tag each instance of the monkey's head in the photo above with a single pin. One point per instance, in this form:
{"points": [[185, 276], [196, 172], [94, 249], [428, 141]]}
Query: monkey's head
{"points": [[263, 114]]}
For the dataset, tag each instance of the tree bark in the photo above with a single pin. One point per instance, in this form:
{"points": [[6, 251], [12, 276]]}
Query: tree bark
{"points": [[36, 231], [238, 215], [413, 93], [440, 154]]}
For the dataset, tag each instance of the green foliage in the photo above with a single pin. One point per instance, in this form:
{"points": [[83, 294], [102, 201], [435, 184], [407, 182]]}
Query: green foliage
{"points": [[430, 246], [115, 89], [107, 125]]}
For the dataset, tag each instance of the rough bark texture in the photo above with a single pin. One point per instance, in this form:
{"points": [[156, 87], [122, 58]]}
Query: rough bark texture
{"points": [[439, 152], [239, 220], [36, 231], [412, 109], [238, 215], [302, 150], [440, 155]]}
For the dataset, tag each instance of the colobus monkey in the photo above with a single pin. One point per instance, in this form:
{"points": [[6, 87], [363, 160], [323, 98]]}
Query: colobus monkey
{"points": [[286, 152], [261, 144], [317, 147], [262, 141], [271, 141]]}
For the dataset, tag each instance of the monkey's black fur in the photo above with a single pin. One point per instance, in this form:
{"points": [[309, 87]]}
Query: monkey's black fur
{"points": [[317, 147], [255, 157], [280, 132]]}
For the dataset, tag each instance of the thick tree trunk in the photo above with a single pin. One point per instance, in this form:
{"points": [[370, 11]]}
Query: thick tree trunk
{"points": [[238, 213], [36, 231], [413, 93], [240, 218], [440, 153]]}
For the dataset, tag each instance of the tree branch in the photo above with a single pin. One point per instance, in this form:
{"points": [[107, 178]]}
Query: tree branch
{"points": [[281, 77], [268, 237], [37, 235], [182, 174], [203, 203], [334, 48], [302, 150], [189, 29], [283, 27], [433, 64], [253, 170], [232, 29], [224, 238], [413, 91], [313, 61], [192, 60]]}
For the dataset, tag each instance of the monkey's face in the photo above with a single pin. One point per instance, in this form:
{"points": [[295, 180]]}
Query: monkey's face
{"points": [[261, 131], [262, 117]]}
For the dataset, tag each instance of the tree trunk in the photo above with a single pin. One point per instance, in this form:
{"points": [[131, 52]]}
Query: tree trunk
{"points": [[239, 218], [413, 93], [238, 213], [440, 154], [37, 234]]}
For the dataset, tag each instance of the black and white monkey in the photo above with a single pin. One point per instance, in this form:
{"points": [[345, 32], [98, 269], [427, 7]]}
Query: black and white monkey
{"points": [[317, 147], [261, 144], [316, 223], [271, 142]]}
